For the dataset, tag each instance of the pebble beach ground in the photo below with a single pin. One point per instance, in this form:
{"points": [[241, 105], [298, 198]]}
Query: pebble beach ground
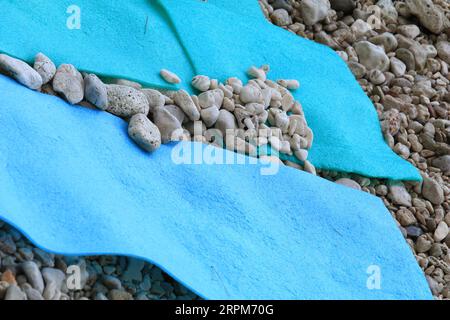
{"points": [[399, 53]]}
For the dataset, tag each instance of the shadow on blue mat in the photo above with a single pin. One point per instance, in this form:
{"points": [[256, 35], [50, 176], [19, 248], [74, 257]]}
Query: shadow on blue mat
{"points": [[75, 184]]}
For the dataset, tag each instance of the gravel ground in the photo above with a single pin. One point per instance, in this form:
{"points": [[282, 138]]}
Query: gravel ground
{"points": [[399, 53]]}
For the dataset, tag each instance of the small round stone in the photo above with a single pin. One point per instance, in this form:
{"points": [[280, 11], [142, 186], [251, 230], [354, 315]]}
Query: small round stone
{"points": [[69, 83], [144, 132], [20, 71]]}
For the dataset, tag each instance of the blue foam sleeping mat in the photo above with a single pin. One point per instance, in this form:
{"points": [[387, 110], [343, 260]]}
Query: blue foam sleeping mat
{"points": [[74, 183]]}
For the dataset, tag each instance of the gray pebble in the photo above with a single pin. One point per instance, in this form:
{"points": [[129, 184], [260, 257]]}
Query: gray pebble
{"points": [[21, 280], [168, 288], [177, 113], [156, 274], [3, 288], [357, 69], [441, 231], [128, 83], [346, 6], [410, 30], [125, 101], [405, 217], [372, 56], [54, 275], [7, 244], [95, 91], [349, 183], [226, 121], [134, 270], [211, 98], [430, 15], [142, 296], [146, 283], [155, 98], [68, 82], [119, 295], [157, 289], [210, 116], [387, 40], [100, 288], [432, 191], [16, 235], [434, 285], [45, 67], [314, 11], [109, 269], [443, 50], [423, 244], [407, 57], [281, 4], [281, 17], [15, 293], [399, 195], [398, 67], [111, 282], [51, 291], [47, 259], [20, 71], [251, 94], [167, 124], [26, 253], [185, 102], [33, 275], [100, 296], [443, 163], [31, 293], [436, 250], [413, 232]]}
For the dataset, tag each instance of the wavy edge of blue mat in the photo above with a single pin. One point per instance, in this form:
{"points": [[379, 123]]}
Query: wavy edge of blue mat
{"points": [[89, 254]]}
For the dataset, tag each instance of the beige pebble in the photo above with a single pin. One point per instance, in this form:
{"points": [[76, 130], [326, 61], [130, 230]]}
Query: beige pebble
{"points": [[169, 76], [124, 101], [201, 83], [257, 73], [185, 102], [20, 71], [310, 168], [289, 84]]}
